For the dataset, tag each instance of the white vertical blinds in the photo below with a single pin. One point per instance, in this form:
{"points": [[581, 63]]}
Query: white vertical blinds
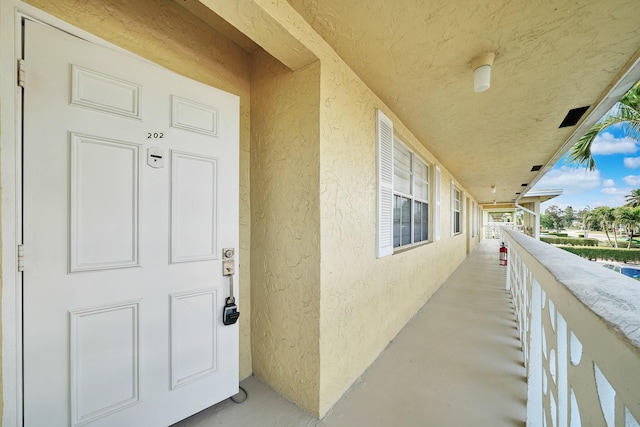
{"points": [[401, 169], [420, 180]]}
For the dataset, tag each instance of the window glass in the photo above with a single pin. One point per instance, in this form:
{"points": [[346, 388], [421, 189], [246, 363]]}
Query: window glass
{"points": [[401, 221], [401, 168], [420, 222], [421, 180], [456, 210], [411, 197]]}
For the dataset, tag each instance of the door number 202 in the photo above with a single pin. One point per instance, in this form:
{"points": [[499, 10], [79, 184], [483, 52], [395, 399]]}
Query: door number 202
{"points": [[155, 135]]}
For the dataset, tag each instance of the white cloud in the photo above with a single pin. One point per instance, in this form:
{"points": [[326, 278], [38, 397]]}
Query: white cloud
{"points": [[631, 162], [570, 180], [616, 196], [608, 183], [612, 191], [632, 180], [606, 143]]}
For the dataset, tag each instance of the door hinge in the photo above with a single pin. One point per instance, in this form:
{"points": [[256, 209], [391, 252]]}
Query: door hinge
{"points": [[21, 72], [20, 257]]}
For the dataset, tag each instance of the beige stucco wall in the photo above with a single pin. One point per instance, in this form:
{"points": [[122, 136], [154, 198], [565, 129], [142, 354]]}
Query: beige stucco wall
{"points": [[166, 34], [365, 301], [323, 306], [285, 260]]}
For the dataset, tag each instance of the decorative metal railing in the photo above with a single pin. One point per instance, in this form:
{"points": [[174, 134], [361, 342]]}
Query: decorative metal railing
{"points": [[579, 326]]}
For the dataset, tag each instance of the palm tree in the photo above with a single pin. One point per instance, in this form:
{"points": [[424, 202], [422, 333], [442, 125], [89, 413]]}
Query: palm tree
{"points": [[585, 219], [603, 215], [629, 218], [626, 111], [633, 198]]}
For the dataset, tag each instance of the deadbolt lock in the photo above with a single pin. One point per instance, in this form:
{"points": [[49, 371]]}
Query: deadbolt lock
{"points": [[228, 263], [228, 253]]}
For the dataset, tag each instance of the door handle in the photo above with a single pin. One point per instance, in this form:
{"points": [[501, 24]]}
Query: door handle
{"points": [[230, 311]]}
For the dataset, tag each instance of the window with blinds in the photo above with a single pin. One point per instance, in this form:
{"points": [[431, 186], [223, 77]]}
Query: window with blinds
{"points": [[410, 197]]}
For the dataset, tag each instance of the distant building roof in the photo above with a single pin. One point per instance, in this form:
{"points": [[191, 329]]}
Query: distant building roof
{"points": [[541, 194]]}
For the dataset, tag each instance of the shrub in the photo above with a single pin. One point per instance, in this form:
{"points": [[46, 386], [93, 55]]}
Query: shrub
{"points": [[607, 254], [580, 235], [570, 241]]}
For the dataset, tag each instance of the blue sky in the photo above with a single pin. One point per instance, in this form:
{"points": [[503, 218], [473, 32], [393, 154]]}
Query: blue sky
{"points": [[618, 172]]}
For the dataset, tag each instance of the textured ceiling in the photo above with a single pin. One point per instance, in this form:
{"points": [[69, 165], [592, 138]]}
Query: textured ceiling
{"points": [[551, 56]]}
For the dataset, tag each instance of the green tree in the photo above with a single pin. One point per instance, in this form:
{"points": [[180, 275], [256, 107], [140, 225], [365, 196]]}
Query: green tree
{"points": [[556, 215], [546, 222], [569, 217], [626, 111], [582, 216], [629, 218], [633, 198], [604, 217]]}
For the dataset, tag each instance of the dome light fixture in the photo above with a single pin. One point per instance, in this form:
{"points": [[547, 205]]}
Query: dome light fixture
{"points": [[481, 66]]}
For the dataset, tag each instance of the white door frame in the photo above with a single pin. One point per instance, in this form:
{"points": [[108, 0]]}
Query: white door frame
{"points": [[11, 12]]}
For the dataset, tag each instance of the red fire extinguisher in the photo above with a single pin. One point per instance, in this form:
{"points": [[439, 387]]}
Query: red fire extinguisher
{"points": [[503, 254]]}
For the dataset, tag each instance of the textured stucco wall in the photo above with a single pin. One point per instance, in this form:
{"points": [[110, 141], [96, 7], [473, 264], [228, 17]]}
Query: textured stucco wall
{"points": [[285, 250], [168, 35], [365, 301], [323, 306]]}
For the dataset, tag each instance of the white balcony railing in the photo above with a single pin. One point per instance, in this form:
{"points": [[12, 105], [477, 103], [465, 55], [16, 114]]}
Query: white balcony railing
{"points": [[493, 230], [580, 331]]}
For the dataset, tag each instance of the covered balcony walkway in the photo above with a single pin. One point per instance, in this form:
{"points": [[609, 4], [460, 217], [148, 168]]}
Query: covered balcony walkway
{"points": [[458, 362]]}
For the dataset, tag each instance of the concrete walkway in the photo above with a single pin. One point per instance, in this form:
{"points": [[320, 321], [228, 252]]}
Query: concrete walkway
{"points": [[458, 362]]}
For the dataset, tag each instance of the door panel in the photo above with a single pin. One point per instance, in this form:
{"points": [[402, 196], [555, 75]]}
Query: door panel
{"points": [[103, 203], [130, 194], [104, 381], [193, 315], [193, 203]]}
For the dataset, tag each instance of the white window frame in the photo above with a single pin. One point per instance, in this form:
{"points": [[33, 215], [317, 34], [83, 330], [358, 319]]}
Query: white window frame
{"points": [[474, 219], [456, 207], [411, 196], [463, 215], [438, 204]]}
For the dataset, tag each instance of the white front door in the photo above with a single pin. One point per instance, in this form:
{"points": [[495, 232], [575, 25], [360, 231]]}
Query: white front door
{"points": [[130, 193]]}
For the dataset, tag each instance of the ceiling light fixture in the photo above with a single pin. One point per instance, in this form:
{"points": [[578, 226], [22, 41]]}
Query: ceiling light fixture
{"points": [[481, 66], [493, 189]]}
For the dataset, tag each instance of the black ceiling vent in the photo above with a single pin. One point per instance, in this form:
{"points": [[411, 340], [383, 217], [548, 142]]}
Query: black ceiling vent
{"points": [[573, 116], [518, 193], [524, 185], [536, 168]]}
